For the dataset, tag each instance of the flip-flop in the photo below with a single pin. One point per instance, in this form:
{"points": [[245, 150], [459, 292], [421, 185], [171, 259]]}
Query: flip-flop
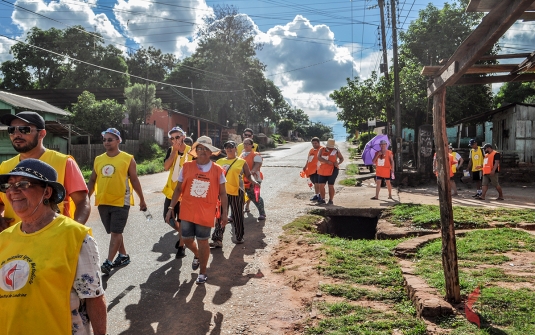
{"points": [[499, 199], [374, 198], [479, 198]]}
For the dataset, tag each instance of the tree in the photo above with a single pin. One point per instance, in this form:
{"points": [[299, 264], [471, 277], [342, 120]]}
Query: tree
{"points": [[41, 69], [140, 101], [515, 92], [150, 63], [95, 116], [285, 126], [319, 130]]}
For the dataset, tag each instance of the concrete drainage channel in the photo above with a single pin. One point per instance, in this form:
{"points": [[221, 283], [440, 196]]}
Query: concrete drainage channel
{"points": [[365, 223]]}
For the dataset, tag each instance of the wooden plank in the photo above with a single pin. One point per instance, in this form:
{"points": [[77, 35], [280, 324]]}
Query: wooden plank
{"points": [[449, 247], [505, 56], [487, 5], [494, 79], [475, 69], [488, 32]]}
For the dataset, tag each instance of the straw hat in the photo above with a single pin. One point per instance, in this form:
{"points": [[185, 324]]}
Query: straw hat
{"points": [[205, 141], [331, 144]]}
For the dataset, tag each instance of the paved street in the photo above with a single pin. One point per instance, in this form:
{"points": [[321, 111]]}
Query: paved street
{"points": [[157, 293]]}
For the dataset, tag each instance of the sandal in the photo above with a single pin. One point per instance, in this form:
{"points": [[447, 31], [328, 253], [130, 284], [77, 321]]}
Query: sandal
{"points": [[374, 198], [499, 198], [480, 198]]}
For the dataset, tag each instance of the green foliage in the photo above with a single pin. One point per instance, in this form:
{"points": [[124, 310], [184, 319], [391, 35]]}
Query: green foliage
{"points": [[95, 116], [284, 126], [150, 63], [140, 100], [278, 139], [317, 129], [352, 169], [365, 138], [150, 151], [303, 223], [515, 92], [32, 68]]}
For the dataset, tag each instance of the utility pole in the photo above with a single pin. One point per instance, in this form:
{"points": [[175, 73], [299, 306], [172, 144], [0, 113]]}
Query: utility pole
{"points": [[397, 122], [384, 68], [192, 100]]}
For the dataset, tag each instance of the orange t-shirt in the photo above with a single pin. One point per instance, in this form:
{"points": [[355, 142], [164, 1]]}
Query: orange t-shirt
{"points": [[383, 167]]}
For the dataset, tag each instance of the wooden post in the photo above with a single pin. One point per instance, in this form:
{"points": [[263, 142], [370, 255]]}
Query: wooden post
{"points": [[459, 134], [449, 246]]}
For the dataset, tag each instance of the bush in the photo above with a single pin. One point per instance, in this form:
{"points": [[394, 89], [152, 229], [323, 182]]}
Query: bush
{"points": [[149, 151], [278, 139], [365, 138]]}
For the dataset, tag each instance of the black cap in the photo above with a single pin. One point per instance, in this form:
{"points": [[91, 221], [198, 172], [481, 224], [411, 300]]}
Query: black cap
{"points": [[28, 117], [487, 145], [230, 144]]}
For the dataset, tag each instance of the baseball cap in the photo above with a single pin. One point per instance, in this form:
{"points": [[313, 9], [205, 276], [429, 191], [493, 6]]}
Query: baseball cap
{"points": [[487, 145], [472, 142], [27, 116], [229, 144], [176, 129], [113, 131], [450, 146]]}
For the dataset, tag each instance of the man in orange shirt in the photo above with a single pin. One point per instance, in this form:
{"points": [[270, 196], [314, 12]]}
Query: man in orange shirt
{"points": [[491, 167], [311, 167], [201, 184], [384, 169]]}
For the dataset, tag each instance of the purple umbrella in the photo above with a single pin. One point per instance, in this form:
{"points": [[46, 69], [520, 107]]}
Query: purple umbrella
{"points": [[372, 147]]}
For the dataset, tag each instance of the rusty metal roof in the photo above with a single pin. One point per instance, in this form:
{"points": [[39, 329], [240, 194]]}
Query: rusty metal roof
{"points": [[30, 104]]}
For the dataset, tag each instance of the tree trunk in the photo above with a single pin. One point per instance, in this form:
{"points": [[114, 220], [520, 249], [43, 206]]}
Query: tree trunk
{"points": [[449, 247]]}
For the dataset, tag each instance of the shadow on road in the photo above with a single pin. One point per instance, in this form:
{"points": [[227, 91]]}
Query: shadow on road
{"points": [[168, 306]]}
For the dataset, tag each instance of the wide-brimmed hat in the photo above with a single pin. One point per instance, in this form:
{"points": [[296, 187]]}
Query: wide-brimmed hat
{"points": [[28, 117], [175, 129], [113, 131], [206, 142], [330, 144], [38, 170]]}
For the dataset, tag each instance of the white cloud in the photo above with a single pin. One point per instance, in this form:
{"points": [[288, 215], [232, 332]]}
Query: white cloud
{"points": [[5, 45], [167, 24], [68, 12]]}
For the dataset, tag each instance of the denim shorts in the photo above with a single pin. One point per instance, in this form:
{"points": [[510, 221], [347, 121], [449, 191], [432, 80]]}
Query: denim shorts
{"points": [[192, 230]]}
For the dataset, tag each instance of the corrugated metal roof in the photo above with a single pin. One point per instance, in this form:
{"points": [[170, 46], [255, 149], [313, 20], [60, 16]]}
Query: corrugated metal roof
{"points": [[30, 104]]}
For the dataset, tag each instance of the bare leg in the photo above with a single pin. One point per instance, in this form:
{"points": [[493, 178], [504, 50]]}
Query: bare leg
{"points": [[204, 254], [484, 189], [377, 187], [116, 244], [191, 245], [322, 191], [331, 192], [177, 228], [317, 188], [389, 186], [453, 187], [499, 189]]}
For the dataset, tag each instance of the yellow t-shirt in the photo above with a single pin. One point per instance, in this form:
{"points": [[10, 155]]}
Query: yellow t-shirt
{"points": [[240, 148], [234, 175], [477, 156], [112, 178], [170, 185]]}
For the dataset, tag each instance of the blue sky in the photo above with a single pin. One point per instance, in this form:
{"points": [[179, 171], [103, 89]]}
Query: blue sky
{"points": [[310, 47]]}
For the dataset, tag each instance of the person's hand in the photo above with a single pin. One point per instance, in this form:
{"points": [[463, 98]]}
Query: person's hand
{"points": [[142, 206], [255, 183], [304, 169], [492, 173], [4, 223], [169, 215], [224, 221]]}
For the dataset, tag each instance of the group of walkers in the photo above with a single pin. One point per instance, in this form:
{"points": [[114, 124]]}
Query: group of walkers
{"points": [[51, 276]]}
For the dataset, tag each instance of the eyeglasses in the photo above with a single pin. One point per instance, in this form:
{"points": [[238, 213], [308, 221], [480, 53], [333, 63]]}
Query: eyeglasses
{"points": [[247, 143], [198, 148], [176, 137], [248, 135], [108, 139], [24, 130], [20, 185]]}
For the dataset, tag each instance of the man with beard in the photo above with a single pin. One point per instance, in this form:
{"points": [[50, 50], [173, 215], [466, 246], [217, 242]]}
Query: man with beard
{"points": [[26, 131]]}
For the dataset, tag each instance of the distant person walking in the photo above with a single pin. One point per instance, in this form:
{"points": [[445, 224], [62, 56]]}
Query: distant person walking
{"points": [[452, 162], [311, 167], [254, 161], [235, 168], [491, 167], [113, 178], [458, 163], [247, 133], [174, 159], [329, 158], [27, 131], [201, 184], [384, 169], [475, 165]]}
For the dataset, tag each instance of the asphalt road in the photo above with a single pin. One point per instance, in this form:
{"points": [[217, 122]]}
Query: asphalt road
{"points": [[157, 294]]}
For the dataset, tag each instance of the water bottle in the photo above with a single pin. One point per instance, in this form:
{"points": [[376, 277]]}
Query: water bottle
{"points": [[257, 192], [392, 176], [310, 184], [147, 214]]}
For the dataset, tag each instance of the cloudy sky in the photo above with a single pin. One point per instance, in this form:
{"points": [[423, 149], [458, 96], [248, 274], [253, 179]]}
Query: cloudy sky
{"points": [[310, 47]]}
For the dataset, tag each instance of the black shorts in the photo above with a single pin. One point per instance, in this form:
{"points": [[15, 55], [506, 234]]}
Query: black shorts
{"points": [[328, 179], [113, 218], [166, 204], [477, 175], [314, 178], [381, 178]]}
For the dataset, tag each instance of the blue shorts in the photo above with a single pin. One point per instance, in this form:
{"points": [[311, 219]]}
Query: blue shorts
{"points": [[192, 230]]}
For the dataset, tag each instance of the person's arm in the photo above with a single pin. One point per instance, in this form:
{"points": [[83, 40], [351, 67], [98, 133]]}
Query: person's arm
{"points": [[76, 189], [136, 185], [224, 204], [170, 158], [83, 206], [321, 159], [91, 183], [392, 166], [96, 310], [496, 164], [174, 199], [249, 175], [340, 159], [376, 157], [470, 161]]}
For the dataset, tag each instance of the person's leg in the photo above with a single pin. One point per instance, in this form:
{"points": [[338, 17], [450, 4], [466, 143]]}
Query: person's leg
{"points": [[496, 184], [453, 186], [188, 235], [377, 186], [259, 204], [218, 230], [236, 203], [116, 244], [331, 180], [119, 217], [389, 186], [484, 187], [500, 193], [202, 234]]}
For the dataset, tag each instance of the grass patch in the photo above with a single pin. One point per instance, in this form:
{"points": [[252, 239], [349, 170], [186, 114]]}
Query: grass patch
{"points": [[348, 182], [278, 139], [352, 169], [306, 223], [428, 216], [511, 310], [353, 152]]}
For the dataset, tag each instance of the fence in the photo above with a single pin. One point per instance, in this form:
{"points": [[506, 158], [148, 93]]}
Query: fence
{"points": [[144, 132], [84, 154]]}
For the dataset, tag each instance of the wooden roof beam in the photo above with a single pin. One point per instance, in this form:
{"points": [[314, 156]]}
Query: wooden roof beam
{"points": [[505, 56], [488, 32], [475, 69], [495, 79]]}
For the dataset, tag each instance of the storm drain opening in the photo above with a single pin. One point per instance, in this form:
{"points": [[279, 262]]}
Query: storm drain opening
{"points": [[350, 227]]}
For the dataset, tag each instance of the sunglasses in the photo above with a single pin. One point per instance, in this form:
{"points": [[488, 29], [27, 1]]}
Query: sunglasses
{"points": [[201, 149], [248, 135], [20, 185], [108, 139], [22, 129], [176, 137]]}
